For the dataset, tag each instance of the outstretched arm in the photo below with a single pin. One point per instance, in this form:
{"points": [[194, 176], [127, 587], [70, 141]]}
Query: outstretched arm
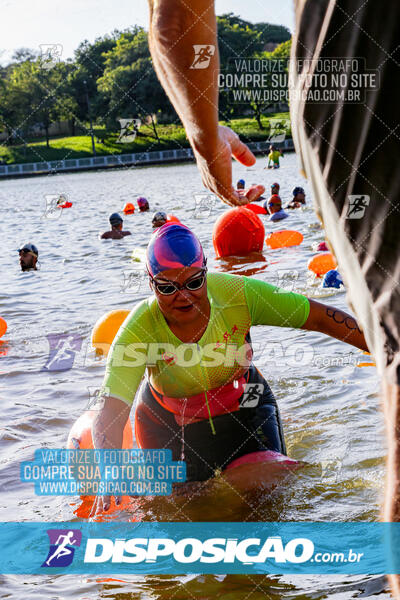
{"points": [[175, 27], [336, 323]]}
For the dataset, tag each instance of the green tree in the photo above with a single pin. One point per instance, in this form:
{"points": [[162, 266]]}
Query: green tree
{"points": [[35, 91], [277, 79], [89, 65], [237, 39], [10, 111], [272, 33], [129, 84]]}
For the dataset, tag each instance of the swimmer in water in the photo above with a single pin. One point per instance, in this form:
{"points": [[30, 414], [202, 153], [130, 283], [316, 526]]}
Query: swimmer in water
{"points": [[275, 187], [274, 207], [299, 198], [240, 184], [28, 257], [62, 199], [115, 233], [159, 219], [143, 204], [193, 335]]}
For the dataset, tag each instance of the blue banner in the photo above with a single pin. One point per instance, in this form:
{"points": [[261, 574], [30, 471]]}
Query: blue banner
{"points": [[178, 548]]}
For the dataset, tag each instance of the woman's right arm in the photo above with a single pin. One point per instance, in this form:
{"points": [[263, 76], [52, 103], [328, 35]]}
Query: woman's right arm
{"points": [[126, 364], [107, 433]]}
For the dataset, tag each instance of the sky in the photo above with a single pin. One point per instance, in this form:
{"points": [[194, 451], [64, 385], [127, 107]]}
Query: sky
{"points": [[29, 23]]}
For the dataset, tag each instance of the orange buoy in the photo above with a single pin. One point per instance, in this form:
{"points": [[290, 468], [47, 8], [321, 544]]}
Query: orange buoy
{"points": [[3, 326], [80, 438], [128, 209], [322, 263], [106, 329], [256, 208], [284, 239], [172, 219], [238, 231]]}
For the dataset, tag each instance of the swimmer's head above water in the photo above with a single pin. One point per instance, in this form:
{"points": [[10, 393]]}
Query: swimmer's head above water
{"points": [[115, 233], [275, 187], [159, 219], [299, 195], [143, 204], [177, 270], [28, 256], [274, 204], [116, 221]]}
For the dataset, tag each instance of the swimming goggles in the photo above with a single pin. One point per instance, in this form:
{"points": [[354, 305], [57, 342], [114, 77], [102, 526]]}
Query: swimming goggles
{"points": [[171, 287]]}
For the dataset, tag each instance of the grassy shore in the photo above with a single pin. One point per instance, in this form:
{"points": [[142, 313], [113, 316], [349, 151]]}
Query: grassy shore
{"points": [[80, 146]]}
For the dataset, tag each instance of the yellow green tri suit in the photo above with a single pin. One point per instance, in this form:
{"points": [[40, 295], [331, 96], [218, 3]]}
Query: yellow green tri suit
{"points": [[274, 157], [191, 382]]}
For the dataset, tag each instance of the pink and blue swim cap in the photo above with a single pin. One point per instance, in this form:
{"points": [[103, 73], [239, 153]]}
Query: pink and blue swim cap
{"points": [[173, 246]]}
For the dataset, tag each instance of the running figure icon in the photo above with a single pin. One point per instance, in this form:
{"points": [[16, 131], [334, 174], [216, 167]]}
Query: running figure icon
{"points": [[63, 543], [62, 549]]}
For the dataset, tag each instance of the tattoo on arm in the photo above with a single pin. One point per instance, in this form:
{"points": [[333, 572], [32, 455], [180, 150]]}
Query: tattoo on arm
{"points": [[342, 318]]}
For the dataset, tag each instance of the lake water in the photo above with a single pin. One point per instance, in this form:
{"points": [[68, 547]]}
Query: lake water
{"points": [[330, 407]]}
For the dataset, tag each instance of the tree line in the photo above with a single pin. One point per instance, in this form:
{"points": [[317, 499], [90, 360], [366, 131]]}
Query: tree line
{"points": [[113, 78]]}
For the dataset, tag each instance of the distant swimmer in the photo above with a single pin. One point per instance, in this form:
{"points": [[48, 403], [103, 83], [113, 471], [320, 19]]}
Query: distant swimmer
{"points": [[273, 157], [28, 257], [299, 198], [159, 219], [143, 204], [61, 199], [275, 187], [115, 233], [240, 184], [63, 202], [274, 207]]}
